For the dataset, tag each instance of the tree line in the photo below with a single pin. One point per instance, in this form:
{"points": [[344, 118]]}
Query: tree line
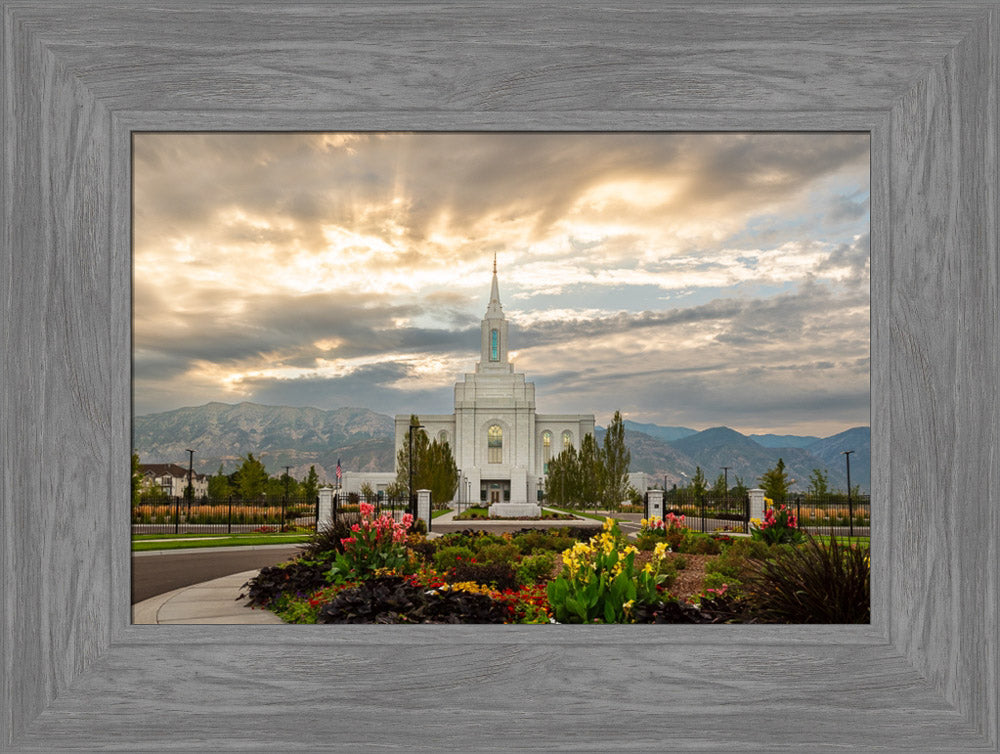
{"points": [[595, 475], [250, 481], [775, 482]]}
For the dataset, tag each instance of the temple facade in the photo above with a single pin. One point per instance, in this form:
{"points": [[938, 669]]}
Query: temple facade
{"points": [[501, 445]]}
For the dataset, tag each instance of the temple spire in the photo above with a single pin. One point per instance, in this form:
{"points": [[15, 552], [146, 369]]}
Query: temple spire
{"points": [[494, 306]]}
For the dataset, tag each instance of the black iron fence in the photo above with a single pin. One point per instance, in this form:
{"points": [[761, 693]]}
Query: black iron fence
{"points": [[161, 515], [832, 514], [348, 504], [709, 512]]}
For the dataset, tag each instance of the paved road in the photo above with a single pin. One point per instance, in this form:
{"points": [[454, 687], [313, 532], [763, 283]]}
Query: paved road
{"points": [[156, 574]]}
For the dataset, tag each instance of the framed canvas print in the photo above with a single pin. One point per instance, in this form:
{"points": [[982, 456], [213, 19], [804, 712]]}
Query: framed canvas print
{"points": [[318, 335], [81, 80]]}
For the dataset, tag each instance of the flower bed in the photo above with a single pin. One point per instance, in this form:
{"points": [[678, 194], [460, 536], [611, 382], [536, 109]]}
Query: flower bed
{"points": [[373, 571]]}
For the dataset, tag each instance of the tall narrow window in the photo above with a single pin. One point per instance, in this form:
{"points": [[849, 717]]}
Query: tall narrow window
{"points": [[494, 345], [495, 444], [546, 450], [567, 440]]}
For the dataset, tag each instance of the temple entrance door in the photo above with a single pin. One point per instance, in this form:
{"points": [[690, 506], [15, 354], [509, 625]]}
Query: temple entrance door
{"points": [[494, 496]]}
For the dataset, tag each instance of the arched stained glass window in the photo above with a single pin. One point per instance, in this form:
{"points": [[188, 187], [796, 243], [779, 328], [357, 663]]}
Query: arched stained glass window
{"points": [[567, 440], [546, 450], [495, 444], [494, 345], [442, 437]]}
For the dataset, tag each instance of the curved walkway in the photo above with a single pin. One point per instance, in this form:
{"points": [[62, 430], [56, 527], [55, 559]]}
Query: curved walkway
{"points": [[210, 602]]}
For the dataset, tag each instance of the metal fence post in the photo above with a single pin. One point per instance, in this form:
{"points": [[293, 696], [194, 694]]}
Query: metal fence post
{"points": [[701, 503], [177, 515], [229, 517]]}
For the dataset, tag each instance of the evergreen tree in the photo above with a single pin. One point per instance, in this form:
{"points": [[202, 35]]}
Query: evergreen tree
{"points": [[310, 485], [616, 460], [719, 490], [698, 484], [434, 467], [218, 486], [250, 478], [775, 483], [819, 483], [590, 486], [740, 489], [563, 482]]}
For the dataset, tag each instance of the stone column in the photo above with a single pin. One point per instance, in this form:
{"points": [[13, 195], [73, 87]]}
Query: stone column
{"points": [[655, 503], [757, 504], [325, 508], [424, 507]]}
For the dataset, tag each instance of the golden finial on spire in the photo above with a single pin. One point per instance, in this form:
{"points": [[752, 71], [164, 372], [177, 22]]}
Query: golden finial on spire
{"points": [[494, 263]]}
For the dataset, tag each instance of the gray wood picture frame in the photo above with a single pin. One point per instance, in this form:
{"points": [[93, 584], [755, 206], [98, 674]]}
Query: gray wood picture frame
{"points": [[80, 77]]}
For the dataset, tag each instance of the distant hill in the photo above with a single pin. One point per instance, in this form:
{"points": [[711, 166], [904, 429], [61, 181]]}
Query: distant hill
{"points": [[363, 440], [859, 439], [784, 441], [279, 435], [666, 434]]}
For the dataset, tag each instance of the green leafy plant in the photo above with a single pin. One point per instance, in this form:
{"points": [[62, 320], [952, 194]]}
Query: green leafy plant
{"points": [[449, 557], [599, 581], [374, 543], [779, 526], [812, 583], [535, 568], [499, 553]]}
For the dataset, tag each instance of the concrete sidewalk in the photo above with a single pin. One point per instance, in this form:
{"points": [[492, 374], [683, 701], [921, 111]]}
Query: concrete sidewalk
{"points": [[210, 602]]}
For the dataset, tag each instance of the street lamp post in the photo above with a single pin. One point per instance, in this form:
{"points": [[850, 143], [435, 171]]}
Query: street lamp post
{"points": [[412, 427], [850, 505], [725, 471], [284, 501], [189, 492]]}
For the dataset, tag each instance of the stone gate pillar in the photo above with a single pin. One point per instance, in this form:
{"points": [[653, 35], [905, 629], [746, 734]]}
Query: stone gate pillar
{"points": [[424, 507], [654, 506], [325, 517], [757, 504]]}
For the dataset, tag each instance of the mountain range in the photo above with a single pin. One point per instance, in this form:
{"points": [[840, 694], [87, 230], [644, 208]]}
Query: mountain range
{"points": [[363, 440]]}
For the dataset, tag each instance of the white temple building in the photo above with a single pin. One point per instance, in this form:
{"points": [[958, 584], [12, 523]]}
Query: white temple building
{"points": [[501, 446]]}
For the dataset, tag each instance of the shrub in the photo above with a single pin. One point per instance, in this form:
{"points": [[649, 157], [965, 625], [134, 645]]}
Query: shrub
{"points": [[301, 576], [330, 538], [679, 562], [498, 575], [734, 562], [813, 583], [537, 539], [535, 568], [417, 526], [498, 553], [447, 558], [391, 599], [695, 543]]}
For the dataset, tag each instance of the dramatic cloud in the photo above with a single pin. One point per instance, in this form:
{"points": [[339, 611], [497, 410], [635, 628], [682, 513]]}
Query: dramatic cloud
{"points": [[695, 279]]}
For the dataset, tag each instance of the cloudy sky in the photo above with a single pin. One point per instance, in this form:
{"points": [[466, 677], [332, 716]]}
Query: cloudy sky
{"points": [[685, 279]]}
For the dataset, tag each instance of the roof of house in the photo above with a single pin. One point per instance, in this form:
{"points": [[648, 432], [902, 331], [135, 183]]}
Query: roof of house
{"points": [[166, 469]]}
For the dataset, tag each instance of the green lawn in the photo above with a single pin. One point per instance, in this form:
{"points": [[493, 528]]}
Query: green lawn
{"points": [[142, 542]]}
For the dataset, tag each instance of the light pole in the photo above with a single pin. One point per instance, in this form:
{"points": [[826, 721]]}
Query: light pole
{"points": [[284, 502], [850, 507], [412, 427], [725, 471], [189, 492]]}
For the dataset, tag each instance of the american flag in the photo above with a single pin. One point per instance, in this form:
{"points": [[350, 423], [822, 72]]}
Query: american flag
{"points": [[339, 472]]}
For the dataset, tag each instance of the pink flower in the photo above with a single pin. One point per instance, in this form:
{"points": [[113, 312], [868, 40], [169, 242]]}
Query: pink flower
{"points": [[367, 510], [355, 527]]}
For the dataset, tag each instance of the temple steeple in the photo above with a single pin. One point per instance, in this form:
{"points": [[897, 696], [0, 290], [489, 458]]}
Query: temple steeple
{"points": [[494, 332]]}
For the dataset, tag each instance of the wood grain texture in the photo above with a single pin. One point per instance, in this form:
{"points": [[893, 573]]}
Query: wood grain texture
{"points": [[79, 78]]}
